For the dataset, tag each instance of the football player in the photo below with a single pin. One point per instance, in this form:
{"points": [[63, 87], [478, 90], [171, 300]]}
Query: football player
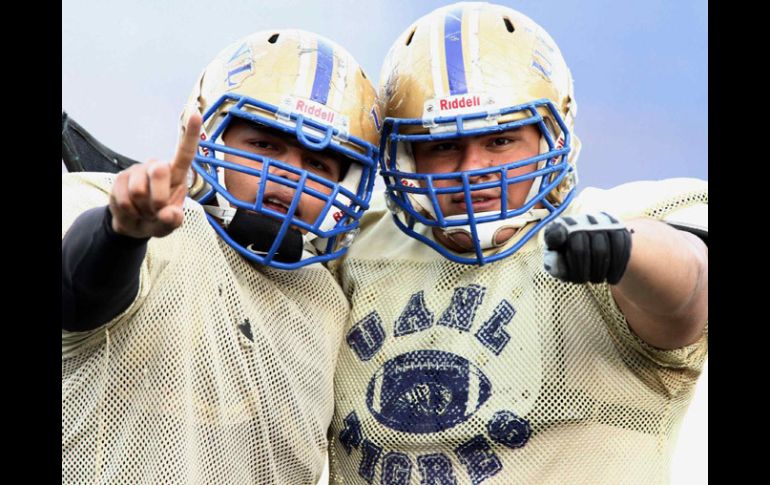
{"points": [[465, 360], [200, 326]]}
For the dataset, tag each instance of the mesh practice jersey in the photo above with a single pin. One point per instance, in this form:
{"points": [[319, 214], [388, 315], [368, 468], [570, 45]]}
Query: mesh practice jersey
{"points": [[219, 372], [502, 374]]}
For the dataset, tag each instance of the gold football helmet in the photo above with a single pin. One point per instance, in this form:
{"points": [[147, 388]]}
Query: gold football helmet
{"points": [[472, 69], [300, 85]]}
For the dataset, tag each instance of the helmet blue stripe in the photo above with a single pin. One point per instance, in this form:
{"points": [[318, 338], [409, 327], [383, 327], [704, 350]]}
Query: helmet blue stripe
{"points": [[453, 47], [323, 73]]}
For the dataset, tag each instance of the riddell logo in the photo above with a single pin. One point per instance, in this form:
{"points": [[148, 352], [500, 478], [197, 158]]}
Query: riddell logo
{"points": [[315, 110], [337, 216], [459, 103]]}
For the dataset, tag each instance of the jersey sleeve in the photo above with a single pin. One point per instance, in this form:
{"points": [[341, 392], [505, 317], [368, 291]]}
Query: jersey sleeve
{"points": [[690, 357], [684, 200], [81, 192]]}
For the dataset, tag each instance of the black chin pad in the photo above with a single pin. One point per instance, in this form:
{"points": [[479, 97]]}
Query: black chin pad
{"points": [[257, 233]]}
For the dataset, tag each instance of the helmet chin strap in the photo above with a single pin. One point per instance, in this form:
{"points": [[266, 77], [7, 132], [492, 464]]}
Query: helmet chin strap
{"points": [[223, 214], [488, 231], [227, 214]]}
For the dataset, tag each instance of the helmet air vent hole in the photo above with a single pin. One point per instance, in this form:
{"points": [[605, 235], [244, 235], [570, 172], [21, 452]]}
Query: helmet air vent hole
{"points": [[273, 38], [508, 24], [409, 39]]}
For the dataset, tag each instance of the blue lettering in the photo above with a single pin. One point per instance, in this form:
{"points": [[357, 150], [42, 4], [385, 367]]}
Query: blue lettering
{"points": [[370, 456], [461, 311], [396, 469], [414, 318], [243, 49], [237, 70], [436, 469], [481, 461], [366, 336], [508, 429], [492, 334], [350, 436]]}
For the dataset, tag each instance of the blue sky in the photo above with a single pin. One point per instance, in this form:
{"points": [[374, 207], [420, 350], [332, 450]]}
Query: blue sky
{"points": [[640, 69]]}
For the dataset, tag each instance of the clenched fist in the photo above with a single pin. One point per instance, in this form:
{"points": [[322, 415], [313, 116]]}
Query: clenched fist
{"points": [[587, 247]]}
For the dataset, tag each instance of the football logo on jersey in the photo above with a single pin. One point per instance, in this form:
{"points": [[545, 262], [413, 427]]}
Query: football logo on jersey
{"points": [[426, 391]]}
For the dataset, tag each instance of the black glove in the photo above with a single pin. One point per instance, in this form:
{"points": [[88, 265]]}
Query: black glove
{"points": [[587, 247]]}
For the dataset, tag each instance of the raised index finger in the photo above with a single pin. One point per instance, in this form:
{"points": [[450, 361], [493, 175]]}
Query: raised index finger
{"points": [[186, 150]]}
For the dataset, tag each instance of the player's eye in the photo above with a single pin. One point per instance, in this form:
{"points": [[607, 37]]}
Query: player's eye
{"points": [[444, 147], [317, 164], [501, 141], [262, 144]]}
